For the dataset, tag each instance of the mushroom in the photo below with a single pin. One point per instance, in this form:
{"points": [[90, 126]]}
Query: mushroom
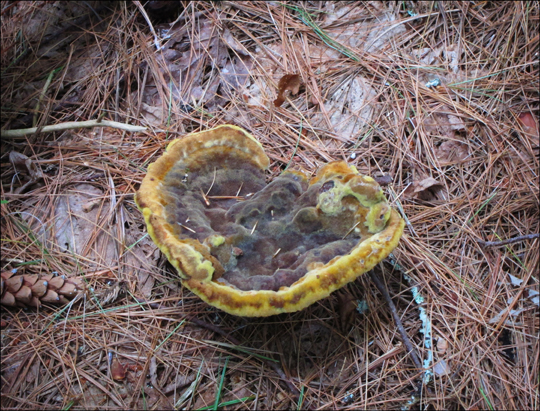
{"points": [[254, 249]]}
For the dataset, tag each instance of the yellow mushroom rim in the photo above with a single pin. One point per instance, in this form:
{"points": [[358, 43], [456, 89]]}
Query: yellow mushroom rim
{"points": [[217, 153]]}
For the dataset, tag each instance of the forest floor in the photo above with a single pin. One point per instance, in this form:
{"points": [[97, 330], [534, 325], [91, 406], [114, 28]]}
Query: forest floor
{"points": [[438, 99]]}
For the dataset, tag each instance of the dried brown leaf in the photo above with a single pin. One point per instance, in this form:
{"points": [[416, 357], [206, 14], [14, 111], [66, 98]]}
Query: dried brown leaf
{"points": [[76, 224], [235, 75], [25, 165], [383, 180], [451, 151], [351, 107], [233, 43], [424, 189], [289, 82], [529, 123], [442, 345], [361, 28], [118, 371]]}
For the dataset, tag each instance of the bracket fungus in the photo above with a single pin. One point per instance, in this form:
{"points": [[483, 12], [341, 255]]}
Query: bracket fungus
{"points": [[255, 249]]}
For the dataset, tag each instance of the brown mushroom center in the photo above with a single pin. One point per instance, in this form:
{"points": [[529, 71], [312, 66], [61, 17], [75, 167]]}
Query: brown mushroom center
{"points": [[263, 236]]}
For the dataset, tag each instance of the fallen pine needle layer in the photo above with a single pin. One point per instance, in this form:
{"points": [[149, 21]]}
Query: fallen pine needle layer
{"points": [[437, 100]]}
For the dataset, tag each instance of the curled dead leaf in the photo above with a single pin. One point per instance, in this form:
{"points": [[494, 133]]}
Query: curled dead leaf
{"points": [[351, 107], [441, 368], [289, 82], [383, 180], [17, 159], [442, 345], [451, 151], [91, 204], [24, 164], [233, 43], [134, 367], [529, 124], [118, 371], [456, 123], [425, 189]]}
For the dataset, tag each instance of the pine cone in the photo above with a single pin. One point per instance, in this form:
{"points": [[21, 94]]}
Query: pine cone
{"points": [[30, 290]]}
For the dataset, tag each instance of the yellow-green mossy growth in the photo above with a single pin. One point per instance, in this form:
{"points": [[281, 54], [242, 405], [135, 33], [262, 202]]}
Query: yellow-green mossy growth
{"points": [[255, 249]]}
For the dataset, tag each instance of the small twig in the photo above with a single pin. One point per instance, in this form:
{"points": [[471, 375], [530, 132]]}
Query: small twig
{"points": [[399, 324], [254, 227], [508, 240], [239, 198], [157, 43], [295, 148], [351, 229], [211, 185], [240, 189], [232, 339], [204, 198], [187, 228], [42, 95], [71, 125]]}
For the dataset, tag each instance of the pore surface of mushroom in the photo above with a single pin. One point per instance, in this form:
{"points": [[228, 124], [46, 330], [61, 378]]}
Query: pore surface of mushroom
{"points": [[256, 249]]}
